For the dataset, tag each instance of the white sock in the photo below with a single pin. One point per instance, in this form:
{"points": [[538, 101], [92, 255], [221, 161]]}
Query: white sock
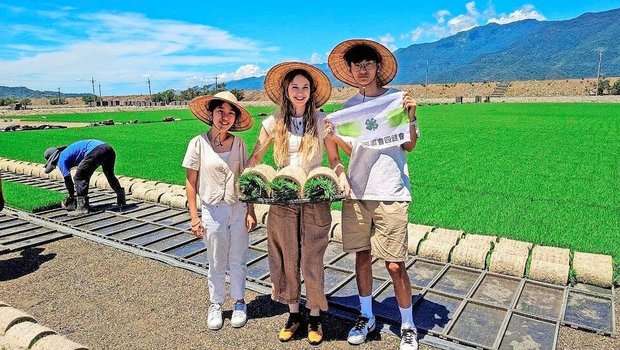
{"points": [[366, 306], [406, 315]]}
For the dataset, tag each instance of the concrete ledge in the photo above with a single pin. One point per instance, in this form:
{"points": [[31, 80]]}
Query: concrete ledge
{"points": [[512, 245], [414, 237], [10, 316], [56, 342], [550, 264], [482, 240], [435, 250], [596, 269], [417, 228], [508, 264], [445, 236], [25, 334]]}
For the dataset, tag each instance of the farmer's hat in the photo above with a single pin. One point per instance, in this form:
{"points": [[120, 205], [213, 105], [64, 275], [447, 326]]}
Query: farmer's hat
{"points": [[273, 81], [341, 70], [51, 155], [199, 107]]}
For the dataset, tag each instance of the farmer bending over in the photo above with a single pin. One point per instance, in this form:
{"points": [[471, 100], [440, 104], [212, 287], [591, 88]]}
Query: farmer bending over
{"points": [[87, 155]]}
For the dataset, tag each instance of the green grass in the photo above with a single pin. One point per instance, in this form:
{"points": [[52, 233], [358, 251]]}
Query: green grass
{"points": [[544, 173], [141, 116], [29, 198]]}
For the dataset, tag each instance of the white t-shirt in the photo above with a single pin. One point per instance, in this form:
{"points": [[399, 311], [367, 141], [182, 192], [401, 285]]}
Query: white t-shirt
{"points": [[217, 175], [377, 174], [297, 131]]}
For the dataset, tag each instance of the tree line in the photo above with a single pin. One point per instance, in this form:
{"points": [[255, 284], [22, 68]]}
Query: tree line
{"points": [[170, 95]]}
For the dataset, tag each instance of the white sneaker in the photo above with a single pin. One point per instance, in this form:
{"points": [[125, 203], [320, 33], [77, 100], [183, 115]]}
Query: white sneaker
{"points": [[239, 315], [359, 332], [408, 339], [214, 317]]}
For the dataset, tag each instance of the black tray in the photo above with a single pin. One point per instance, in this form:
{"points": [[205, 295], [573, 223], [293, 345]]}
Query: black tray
{"points": [[292, 201]]}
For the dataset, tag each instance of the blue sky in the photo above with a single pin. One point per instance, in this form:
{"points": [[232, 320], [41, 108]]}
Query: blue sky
{"points": [[121, 44]]}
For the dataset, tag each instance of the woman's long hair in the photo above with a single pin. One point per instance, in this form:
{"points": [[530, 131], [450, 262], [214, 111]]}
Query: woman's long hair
{"points": [[310, 139]]}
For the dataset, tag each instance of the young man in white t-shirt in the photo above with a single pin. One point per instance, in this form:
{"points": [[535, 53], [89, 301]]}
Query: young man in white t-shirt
{"points": [[374, 219]]}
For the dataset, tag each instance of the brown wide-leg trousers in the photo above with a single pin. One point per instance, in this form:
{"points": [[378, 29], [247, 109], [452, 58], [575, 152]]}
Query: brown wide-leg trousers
{"points": [[297, 238]]}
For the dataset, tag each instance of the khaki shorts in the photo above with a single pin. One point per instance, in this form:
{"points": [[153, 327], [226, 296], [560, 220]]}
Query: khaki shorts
{"points": [[378, 226]]}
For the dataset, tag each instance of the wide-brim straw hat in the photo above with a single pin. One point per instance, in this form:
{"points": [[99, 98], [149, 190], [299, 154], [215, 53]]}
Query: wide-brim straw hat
{"points": [[199, 107], [341, 70], [273, 81]]}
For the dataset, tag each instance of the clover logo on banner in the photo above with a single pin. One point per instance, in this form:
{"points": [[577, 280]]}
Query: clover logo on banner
{"points": [[371, 124], [379, 123]]}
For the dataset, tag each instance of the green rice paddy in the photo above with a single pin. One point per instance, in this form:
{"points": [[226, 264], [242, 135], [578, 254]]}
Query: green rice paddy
{"points": [[544, 173]]}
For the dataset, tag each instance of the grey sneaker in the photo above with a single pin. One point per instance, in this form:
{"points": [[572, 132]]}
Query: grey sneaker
{"points": [[214, 317], [239, 315], [359, 332], [408, 339]]}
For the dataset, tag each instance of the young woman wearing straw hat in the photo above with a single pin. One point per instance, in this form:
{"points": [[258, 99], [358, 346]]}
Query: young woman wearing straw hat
{"points": [[296, 132], [374, 220], [214, 160]]}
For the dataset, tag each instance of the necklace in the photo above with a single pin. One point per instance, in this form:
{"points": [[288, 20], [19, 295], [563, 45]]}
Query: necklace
{"points": [[298, 123], [218, 141]]}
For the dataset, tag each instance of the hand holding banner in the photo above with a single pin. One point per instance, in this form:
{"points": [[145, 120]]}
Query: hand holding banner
{"points": [[379, 123]]}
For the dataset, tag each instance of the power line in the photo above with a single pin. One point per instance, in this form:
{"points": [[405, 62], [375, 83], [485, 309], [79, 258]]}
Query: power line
{"points": [[148, 81], [92, 80], [598, 74]]}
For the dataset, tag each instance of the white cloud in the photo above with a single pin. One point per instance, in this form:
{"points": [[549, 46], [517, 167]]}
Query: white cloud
{"points": [[245, 71], [416, 34], [315, 58], [446, 24], [440, 16], [471, 9], [121, 49], [525, 12], [461, 23], [388, 40]]}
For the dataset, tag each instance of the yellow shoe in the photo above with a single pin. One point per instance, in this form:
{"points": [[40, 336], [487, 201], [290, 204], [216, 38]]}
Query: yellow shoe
{"points": [[290, 328], [315, 330]]}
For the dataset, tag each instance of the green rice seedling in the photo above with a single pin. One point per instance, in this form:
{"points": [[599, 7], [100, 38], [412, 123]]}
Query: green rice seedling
{"points": [[320, 188], [284, 189], [30, 198], [252, 186]]}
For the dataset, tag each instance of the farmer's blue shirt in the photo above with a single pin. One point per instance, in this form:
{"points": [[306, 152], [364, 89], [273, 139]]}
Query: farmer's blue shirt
{"points": [[74, 154]]}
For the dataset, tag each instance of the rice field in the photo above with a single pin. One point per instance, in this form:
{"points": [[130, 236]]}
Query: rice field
{"points": [[545, 173]]}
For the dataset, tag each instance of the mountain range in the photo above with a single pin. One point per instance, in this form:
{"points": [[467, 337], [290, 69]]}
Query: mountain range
{"points": [[522, 50]]}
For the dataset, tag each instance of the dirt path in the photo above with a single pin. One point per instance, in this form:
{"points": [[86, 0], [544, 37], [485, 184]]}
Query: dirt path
{"points": [[109, 299]]}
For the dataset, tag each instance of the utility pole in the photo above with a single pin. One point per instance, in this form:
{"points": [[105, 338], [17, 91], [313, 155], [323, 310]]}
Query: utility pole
{"points": [[426, 83], [215, 84], [100, 99], [92, 81], [59, 96], [148, 81], [598, 74]]}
